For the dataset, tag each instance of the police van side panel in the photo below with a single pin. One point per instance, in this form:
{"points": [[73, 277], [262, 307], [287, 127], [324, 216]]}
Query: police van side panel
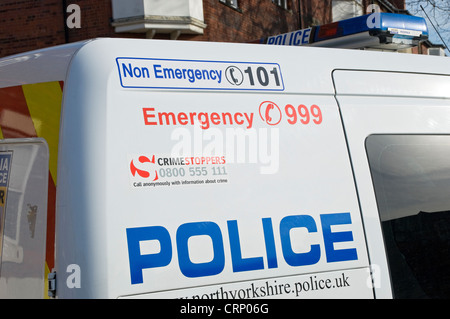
{"points": [[198, 175]]}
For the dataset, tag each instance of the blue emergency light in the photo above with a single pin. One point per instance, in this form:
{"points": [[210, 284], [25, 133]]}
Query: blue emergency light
{"points": [[375, 30]]}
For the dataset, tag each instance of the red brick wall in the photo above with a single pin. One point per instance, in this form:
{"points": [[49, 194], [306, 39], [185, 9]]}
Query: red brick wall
{"points": [[399, 4], [30, 24], [315, 12], [255, 19], [260, 18], [33, 24], [95, 21]]}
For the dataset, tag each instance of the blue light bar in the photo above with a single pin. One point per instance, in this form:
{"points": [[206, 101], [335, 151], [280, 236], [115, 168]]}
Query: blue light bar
{"points": [[386, 24], [378, 30]]}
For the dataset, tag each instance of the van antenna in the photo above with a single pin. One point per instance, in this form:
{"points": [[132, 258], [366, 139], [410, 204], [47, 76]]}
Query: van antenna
{"points": [[445, 44]]}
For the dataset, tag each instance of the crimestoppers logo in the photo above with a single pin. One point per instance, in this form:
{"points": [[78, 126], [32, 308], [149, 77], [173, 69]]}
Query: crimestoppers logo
{"points": [[176, 171], [144, 169]]}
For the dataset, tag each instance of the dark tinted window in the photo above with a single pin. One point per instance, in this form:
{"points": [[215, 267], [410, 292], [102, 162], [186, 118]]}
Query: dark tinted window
{"points": [[411, 176]]}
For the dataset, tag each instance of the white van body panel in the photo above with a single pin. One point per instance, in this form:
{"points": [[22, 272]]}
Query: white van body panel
{"points": [[120, 110], [44, 65], [246, 176]]}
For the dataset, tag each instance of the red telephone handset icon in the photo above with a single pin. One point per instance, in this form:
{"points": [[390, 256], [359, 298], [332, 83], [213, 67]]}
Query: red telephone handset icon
{"points": [[268, 108], [270, 113]]}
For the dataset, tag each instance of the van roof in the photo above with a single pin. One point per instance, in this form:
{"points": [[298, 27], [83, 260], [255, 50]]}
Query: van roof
{"points": [[52, 64], [43, 65]]}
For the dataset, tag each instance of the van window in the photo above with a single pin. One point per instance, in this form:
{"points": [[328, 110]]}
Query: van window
{"points": [[23, 217], [411, 177]]}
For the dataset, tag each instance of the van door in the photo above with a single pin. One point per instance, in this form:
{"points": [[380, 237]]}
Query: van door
{"points": [[398, 132], [23, 217]]}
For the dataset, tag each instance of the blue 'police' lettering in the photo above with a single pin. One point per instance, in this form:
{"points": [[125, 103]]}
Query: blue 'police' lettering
{"points": [[292, 258], [330, 237], [239, 263], [139, 262], [187, 267], [269, 240]]}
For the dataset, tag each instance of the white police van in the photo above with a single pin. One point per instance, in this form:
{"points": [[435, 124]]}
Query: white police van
{"points": [[170, 169]]}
